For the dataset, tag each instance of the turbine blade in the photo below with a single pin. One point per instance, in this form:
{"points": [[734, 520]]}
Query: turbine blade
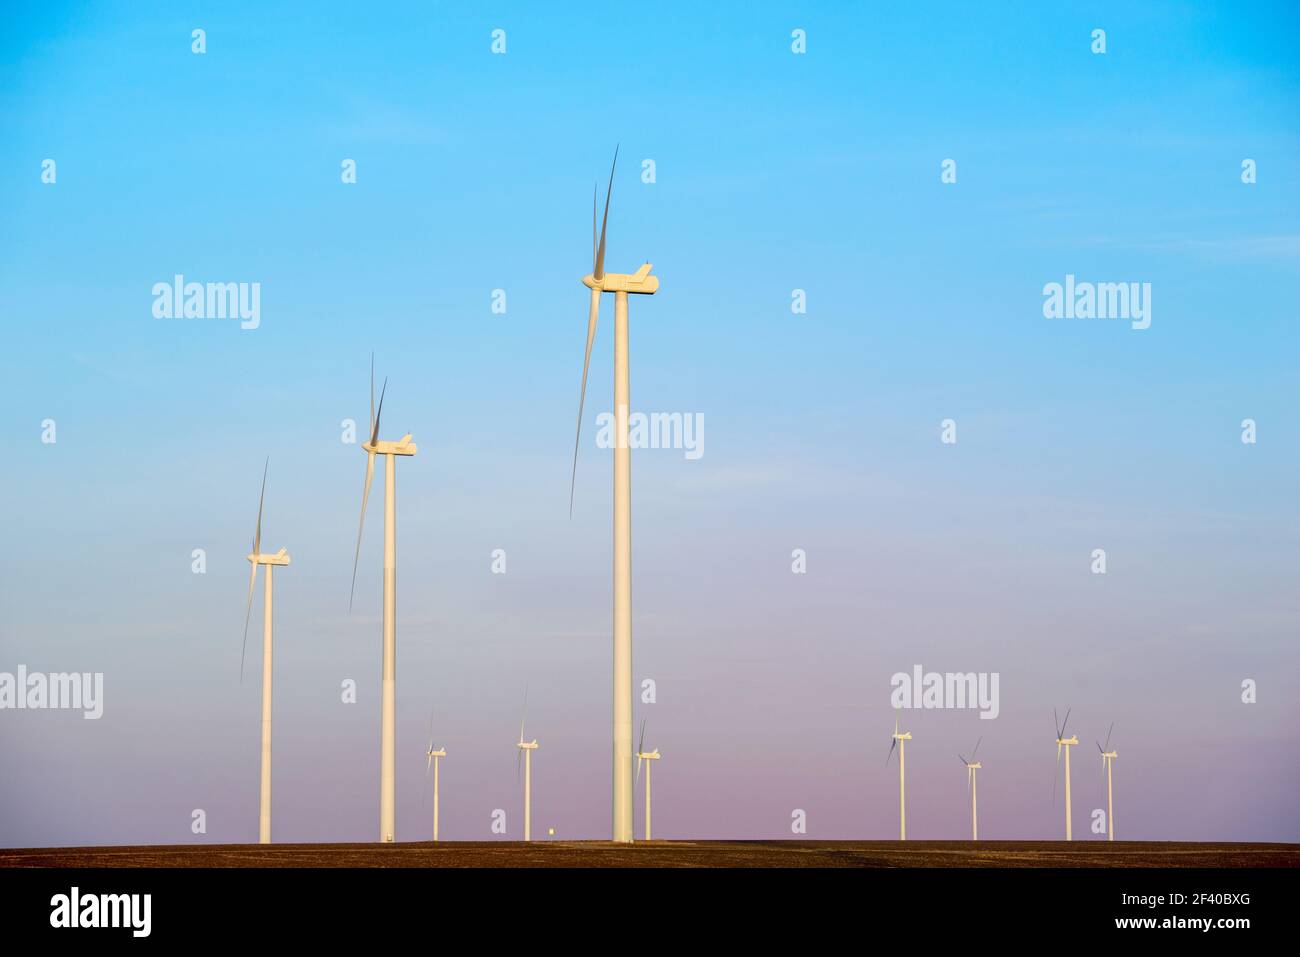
{"points": [[1065, 722], [519, 762], [962, 760], [640, 745], [599, 270], [893, 743], [257, 533], [374, 428], [639, 760], [365, 496], [977, 748], [1108, 731], [372, 392], [252, 580], [1056, 723], [593, 316]]}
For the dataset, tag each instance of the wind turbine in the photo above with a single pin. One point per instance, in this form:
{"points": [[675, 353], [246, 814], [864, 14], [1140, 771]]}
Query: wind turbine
{"points": [[642, 755], [621, 285], [434, 757], [971, 767], [899, 741], [256, 558], [1063, 742], [1107, 763], [388, 721], [526, 749]]}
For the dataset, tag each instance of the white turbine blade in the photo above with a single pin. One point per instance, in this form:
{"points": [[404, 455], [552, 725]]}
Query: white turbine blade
{"points": [[374, 428], [365, 497], [252, 580], [257, 534], [593, 318], [598, 271], [639, 761]]}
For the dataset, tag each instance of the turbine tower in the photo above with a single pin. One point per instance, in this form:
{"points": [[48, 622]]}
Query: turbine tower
{"points": [[1063, 742], [642, 755], [270, 561], [621, 285], [434, 757], [971, 767], [1107, 764], [526, 749], [899, 741], [388, 720]]}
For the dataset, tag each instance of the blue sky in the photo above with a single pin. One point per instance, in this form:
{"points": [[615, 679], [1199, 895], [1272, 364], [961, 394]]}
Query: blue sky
{"points": [[775, 172]]}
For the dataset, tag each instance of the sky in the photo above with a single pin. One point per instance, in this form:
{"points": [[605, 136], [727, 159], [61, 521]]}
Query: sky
{"points": [[773, 172]]}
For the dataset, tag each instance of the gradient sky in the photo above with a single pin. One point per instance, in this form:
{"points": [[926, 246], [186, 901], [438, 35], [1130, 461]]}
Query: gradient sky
{"points": [[775, 171]]}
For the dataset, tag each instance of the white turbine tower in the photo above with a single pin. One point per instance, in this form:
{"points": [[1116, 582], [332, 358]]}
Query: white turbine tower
{"points": [[899, 741], [971, 767], [1063, 742], [434, 757], [388, 687], [642, 755], [270, 561], [1108, 763], [621, 285], [526, 749]]}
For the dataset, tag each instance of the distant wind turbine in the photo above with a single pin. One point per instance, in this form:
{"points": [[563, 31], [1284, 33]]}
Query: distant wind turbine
{"points": [[434, 757], [899, 741], [388, 708], [971, 767], [270, 561], [642, 755], [526, 749], [1108, 763], [1063, 742], [621, 285]]}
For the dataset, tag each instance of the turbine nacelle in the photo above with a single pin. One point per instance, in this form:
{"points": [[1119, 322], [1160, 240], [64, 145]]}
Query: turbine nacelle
{"points": [[278, 558], [440, 753], [974, 767], [1067, 741], [639, 282], [648, 755], [403, 446], [527, 745], [905, 736]]}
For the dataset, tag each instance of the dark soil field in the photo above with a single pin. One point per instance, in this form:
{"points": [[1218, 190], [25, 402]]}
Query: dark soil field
{"points": [[671, 854]]}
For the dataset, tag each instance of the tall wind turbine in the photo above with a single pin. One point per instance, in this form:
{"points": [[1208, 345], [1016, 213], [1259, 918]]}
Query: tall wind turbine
{"points": [[388, 721], [270, 561], [971, 767], [434, 757], [642, 755], [1107, 763], [621, 285], [526, 749], [1063, 742], [899, 741]]}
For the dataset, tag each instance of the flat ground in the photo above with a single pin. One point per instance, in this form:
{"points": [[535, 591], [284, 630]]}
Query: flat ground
{"points": [[670, 854]]}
